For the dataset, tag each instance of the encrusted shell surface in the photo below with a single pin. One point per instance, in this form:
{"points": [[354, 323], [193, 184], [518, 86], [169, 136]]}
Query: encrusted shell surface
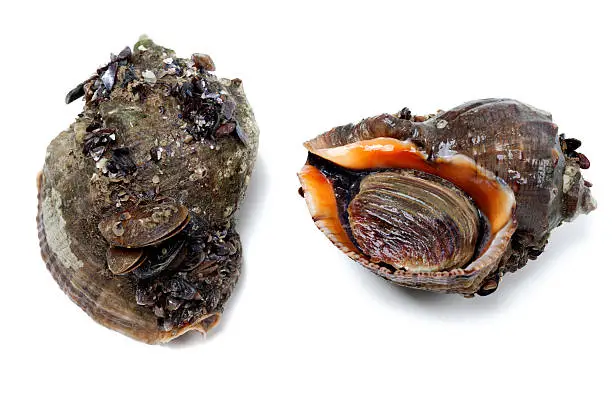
{"points": [[485, 148], [159, 160]]}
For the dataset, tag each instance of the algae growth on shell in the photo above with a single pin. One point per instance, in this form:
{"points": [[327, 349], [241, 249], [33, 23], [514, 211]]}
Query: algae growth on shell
{"points": [[137, 197]]}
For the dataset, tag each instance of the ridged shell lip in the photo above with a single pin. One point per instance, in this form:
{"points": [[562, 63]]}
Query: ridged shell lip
{"points": [[492, 196]]}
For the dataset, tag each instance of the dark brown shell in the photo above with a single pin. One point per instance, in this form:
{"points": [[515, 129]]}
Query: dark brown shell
{"points": [[145, 140], [514, 141]]}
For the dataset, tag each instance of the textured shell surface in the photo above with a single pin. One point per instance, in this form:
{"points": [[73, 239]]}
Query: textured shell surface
{"points": [[137, 197], [522, 178]]}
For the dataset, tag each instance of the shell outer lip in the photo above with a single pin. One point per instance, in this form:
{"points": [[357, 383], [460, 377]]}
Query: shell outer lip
{"points": [[58, 271], [319, 196]]}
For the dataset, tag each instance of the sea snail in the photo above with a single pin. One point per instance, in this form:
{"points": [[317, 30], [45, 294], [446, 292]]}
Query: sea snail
{"points": [[446, 202], [137, 197]]}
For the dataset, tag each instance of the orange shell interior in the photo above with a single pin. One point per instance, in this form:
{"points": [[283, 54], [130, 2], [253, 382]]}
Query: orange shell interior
{"points": [[321, 201], [493, 197]]}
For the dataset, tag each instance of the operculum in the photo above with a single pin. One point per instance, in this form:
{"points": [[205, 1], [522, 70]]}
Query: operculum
{"points": [[414, 221]]}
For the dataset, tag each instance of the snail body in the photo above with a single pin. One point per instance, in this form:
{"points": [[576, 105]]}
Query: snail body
{"points": [[448, 202]]}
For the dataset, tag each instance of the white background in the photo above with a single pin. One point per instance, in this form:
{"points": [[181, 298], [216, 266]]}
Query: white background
{"points": [[305, 320]]}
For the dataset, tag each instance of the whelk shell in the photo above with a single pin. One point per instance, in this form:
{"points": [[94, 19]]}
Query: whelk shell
{"points": [[137, 198], [384, 191]]}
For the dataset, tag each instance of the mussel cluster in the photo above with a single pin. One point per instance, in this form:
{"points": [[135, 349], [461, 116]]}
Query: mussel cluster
{"points": [[176, 261]]}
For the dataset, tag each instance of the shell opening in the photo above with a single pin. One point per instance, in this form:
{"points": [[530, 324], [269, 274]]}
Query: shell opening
{"points": [[463, 272], [492, 196]]}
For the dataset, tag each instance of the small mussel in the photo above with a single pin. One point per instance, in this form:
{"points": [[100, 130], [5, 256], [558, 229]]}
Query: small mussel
{"points": [[146, 225], [137, 198], [121, 260], [446, 202]]}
